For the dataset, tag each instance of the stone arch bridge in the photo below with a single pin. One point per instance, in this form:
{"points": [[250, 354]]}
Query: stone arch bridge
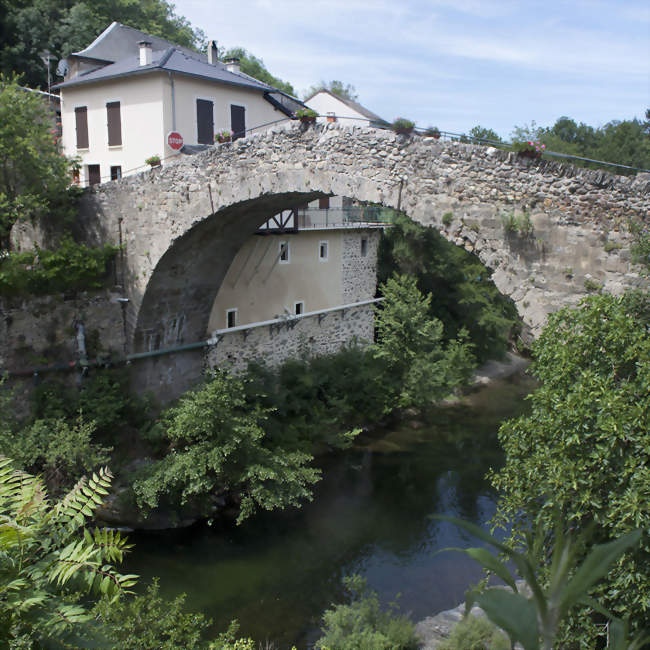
{"points": [[181, 225]]}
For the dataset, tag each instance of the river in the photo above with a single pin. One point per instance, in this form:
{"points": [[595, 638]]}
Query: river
{"points": [[370, 515]]}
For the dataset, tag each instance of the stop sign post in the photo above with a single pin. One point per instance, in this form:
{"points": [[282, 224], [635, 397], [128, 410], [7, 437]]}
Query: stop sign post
{"points": [[174, 140]]}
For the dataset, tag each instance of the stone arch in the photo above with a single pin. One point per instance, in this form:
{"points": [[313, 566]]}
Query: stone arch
{"points": [[168, 218]]}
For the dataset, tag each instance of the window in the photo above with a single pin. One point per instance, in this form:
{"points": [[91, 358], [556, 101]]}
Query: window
{"points": [[322, 251], [94, 176], [114, 124], [205, 121], [331, 116], [237, 121], [364, 246], [231, 317], [299, 308], [81, 121], [324, 203], [116, 172], [284, 252]]}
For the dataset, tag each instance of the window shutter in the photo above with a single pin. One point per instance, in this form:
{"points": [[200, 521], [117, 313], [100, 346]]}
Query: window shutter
{"points": [[324, 203], [237, 121], [114, 124], [81, 119], [205, 121]]}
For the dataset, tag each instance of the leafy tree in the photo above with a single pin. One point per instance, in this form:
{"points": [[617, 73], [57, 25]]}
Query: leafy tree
{"points": [[585, 447], [216, 443], [462, 294], [34, 173], [482, 133], [149, 621], [346, 91], [410, 341], [363, 625], [46, 554], [255, 67], [29, 27]]}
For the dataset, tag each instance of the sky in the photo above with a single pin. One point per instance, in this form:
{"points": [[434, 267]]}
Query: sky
{"points": [[453, 64]]}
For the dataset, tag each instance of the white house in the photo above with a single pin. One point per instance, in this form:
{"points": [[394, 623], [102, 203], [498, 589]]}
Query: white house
{"points": [[332, 108], [127, 91]]}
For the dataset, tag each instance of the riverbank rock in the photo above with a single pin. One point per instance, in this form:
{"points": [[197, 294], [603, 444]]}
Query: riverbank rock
{"points": [[433, 630], [511, 364]]}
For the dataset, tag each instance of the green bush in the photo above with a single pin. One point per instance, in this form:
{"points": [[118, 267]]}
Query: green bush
{"points": [[71, 267], [475, 633], [363, 625], [149, 621]]}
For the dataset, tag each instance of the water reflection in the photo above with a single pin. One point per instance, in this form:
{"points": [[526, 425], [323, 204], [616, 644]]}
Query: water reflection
{"points": [[370, 514]]}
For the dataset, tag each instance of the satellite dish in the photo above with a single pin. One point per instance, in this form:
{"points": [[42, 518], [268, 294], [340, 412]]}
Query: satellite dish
{"points": [[62, 68]]}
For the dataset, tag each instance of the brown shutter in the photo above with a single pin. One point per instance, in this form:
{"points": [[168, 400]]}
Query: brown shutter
{"points": [[237, 121], [324, 203], [114, 124], [81, 117], [205, 121]]}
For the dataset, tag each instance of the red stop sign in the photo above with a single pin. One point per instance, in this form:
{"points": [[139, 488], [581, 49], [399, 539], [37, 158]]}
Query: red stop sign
{"points": [[174, 140]]}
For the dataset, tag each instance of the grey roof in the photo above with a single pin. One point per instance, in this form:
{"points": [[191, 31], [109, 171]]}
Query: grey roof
{"points": [[362, 110], [172, 59], [118, 41]]}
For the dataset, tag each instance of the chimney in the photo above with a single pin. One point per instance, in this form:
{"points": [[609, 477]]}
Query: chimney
{"points": [[145, 52], [232, 64], [213, 53]]}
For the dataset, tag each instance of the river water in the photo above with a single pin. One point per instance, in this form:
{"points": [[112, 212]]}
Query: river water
{"points": [[370, 515]]}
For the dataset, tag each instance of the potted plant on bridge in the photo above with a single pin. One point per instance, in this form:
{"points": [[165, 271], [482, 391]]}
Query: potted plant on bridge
{"points": [[432, 132], [306, 115], [223, 136], [153, 161], [402, 126], [529, 149]]}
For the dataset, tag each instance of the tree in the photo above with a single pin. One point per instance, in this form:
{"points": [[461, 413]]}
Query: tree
{"points": [[34, 174], [462, 293], [217, 444], [47, 554], [481, 133], [584, 449], [30, 27], [343, 90], [255, 67], [410, 341]]}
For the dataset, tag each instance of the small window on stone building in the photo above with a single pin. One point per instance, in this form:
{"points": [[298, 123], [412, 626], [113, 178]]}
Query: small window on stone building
{"points": [[322, 251], [364, 246], [299, 308], [231, 317], [116, 172], [284, 252]]}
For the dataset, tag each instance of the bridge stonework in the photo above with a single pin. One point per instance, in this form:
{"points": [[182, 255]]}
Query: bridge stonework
{"points": [[181, 225]]}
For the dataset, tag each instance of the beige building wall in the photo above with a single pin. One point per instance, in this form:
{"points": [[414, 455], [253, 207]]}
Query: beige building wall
{"points": [[260, 286], [188, 90], [141, 114], [146, 117], [324, 103]]}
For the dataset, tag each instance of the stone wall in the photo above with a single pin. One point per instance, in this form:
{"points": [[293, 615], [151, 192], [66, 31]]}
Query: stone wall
{"points": [[314, 335], [42, 331], [359, 272]]}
